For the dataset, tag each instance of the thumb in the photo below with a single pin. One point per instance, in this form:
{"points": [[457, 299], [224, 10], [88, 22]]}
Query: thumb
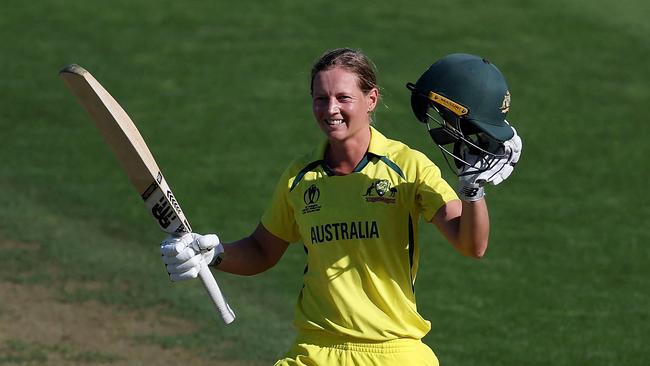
{"points": [[207, 242]]}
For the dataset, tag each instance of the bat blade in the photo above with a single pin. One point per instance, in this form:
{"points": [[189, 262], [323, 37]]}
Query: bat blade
{"points": [[129, 147], [132, 152]]}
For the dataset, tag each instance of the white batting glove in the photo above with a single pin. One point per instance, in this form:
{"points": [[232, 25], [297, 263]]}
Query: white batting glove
{"points": [[470, 187], [185, 255], [514, 146]]}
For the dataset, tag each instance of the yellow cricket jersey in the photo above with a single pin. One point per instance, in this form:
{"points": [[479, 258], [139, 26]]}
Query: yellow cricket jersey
{"points": [[360, 232]]}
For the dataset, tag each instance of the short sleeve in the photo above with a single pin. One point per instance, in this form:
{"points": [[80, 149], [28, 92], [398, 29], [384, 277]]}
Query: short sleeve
{"points": [[432, 191], [279, 217]]}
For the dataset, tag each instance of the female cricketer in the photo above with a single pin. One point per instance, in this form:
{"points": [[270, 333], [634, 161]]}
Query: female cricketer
{"points": [[355, 203]]}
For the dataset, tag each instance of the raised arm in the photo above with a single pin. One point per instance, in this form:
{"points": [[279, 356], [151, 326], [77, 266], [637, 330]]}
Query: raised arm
{"points": [[466, 225], [465, 222]]}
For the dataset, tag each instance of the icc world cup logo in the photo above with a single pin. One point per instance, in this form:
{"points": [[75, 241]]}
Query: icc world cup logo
{"points": [[312, 194]]}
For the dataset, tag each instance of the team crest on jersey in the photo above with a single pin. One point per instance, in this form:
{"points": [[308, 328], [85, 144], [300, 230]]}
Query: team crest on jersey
{"points": [[311, 197], [380, 191]]}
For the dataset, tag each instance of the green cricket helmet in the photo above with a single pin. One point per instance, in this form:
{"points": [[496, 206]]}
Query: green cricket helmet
{"points": [[468, 98]]}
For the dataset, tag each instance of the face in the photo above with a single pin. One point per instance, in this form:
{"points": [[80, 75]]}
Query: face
{"points": [[340, 107]]}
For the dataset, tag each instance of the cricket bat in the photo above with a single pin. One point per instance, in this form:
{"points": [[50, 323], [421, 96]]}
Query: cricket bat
{"points": [[132, 152]]}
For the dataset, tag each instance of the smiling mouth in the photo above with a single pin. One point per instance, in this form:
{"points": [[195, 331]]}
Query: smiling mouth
{"points": [[333, 122]]}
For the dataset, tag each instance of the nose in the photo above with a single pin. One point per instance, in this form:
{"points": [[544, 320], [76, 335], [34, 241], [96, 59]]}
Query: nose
{"points": [[334, 106]]}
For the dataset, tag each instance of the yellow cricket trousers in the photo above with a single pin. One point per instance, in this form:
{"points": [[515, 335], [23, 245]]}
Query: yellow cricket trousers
{"points": [[315, 349]]}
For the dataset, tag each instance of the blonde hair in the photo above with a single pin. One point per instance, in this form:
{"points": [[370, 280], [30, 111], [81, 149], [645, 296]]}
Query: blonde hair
{"points": [[350, 59]]}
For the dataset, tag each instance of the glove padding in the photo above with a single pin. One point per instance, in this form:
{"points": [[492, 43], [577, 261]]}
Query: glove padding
{"points": [[475, 176], [185, 255]]}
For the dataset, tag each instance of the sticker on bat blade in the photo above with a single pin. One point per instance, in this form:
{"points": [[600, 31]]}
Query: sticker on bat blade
{"points": [[152, 188], [164, 210], [173, 201], [183, 228]]}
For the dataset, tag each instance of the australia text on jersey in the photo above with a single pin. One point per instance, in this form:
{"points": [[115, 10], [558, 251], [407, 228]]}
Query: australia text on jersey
{"points": [[344, 231]]}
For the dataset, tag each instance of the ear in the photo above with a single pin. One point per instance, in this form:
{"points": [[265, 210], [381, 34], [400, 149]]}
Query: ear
{"points": [[372, 97]]}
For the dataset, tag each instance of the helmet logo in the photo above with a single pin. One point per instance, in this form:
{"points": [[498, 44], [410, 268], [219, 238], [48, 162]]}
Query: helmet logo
{"points": [[458, 109], [505, 105]]}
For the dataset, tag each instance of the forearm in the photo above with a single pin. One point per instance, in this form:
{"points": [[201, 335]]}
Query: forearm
{"points": [[253, 254], [243, 257], [465, 225], [473, 229]]}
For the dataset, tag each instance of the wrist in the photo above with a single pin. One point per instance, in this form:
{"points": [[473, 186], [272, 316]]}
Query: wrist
{"points": [[470, 192], [216, 258]]}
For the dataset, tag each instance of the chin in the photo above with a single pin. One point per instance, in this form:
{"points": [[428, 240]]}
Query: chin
{"points": [[334, 133], [335, 137]]}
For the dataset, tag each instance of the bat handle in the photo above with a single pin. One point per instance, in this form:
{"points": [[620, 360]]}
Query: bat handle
{"points": [[215, 294]]}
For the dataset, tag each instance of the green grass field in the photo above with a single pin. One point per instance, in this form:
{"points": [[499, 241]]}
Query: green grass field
{"points": [[220, 93]]}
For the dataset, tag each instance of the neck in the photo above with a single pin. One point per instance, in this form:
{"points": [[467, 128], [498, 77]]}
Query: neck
{"points": [[343, 156]]}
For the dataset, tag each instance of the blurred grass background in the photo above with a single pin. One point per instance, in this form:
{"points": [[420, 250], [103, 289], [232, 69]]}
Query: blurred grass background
{"points": [[220, 92]]}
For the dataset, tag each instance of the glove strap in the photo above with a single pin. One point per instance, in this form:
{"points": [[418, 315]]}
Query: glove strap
{"points": [[470, 192], [216, 260]]}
